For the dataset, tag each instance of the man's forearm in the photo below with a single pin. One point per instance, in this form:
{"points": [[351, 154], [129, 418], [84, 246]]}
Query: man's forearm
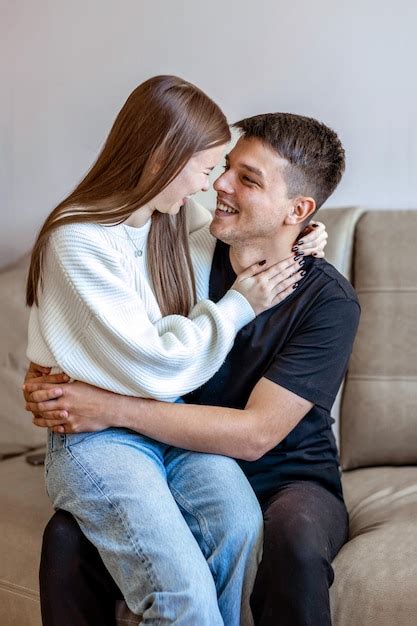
{"points": [[270, 414], [218, 430]]}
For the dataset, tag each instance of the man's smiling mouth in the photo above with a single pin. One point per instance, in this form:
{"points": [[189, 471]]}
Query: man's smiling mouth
{"points": [[225, 209]]}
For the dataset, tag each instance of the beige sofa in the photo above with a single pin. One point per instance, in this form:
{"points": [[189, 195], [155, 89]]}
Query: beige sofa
{"points": [[376, 571]]}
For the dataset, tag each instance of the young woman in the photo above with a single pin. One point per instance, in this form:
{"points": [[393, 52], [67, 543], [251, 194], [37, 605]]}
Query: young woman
{"points": [[112, 292]]}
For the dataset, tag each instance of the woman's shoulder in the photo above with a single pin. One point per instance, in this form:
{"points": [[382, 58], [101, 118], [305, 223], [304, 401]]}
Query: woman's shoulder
{"points": [[80, 235], [77, 229]]}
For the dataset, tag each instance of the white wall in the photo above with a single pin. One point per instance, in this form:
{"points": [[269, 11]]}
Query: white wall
{"points": [[68, 65]]}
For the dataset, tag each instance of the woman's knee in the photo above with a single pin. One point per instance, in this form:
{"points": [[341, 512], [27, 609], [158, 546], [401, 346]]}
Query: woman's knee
{"points": [[240, 512], [242, 517]]}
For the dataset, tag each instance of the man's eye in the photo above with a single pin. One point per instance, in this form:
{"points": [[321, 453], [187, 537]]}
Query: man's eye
{"points": [[225, 167], [248, 180]]}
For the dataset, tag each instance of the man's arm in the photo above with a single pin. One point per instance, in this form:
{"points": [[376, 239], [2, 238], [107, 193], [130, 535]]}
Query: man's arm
{"points": [[270, 414], [307, 371]]}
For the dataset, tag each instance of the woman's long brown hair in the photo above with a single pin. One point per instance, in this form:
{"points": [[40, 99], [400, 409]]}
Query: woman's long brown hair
{"points": [[165, 120]]}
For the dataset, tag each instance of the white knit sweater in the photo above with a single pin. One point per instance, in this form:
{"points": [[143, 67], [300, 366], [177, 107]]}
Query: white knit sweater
{"points": [[98, 319]]}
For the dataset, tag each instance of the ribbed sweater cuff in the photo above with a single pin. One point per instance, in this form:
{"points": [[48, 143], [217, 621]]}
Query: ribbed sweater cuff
{"points": [[236, 308]]}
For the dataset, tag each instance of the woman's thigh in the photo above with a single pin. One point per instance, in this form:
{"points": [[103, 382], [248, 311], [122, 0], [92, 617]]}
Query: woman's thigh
{"points": [[224, 516], [214, 495], [115, 485]]}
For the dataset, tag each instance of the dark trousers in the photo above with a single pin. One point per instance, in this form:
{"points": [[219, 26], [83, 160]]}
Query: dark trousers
{"points": [[75, 587], [305, 526]]}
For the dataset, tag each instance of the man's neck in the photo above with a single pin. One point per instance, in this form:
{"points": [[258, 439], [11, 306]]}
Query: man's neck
{"points": [[272, 250]]}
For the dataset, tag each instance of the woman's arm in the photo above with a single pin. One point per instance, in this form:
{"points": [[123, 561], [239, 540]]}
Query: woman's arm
{"points": [[97, 329]]}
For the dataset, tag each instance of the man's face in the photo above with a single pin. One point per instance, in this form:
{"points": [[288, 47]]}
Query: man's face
{"points": [[252, 200]]}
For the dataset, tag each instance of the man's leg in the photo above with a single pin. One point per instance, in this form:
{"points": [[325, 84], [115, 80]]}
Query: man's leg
{"points": [[224, 516], [305, 527], [75, 587], [114, 483]]}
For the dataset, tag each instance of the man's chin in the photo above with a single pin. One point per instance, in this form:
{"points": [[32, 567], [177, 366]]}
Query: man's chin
{"points": [[220, 231]]}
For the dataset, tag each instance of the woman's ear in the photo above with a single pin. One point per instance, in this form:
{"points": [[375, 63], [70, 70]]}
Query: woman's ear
{"points": [[302, 208], [154, 163]]}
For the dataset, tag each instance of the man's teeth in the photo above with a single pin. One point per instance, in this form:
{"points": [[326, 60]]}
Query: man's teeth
{"points": [[226, 209]]}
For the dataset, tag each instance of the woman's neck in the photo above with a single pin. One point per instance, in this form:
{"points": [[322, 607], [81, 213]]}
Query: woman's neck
{"points": [[140, 216]]}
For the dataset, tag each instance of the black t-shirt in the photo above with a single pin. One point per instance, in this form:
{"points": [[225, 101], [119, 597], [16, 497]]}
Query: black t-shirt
{"points": [[303, 344]]}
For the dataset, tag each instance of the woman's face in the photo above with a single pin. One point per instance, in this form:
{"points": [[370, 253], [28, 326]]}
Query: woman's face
{"points": [[193, 177]]}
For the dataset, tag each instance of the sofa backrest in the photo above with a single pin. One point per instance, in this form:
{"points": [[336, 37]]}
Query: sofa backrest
{"points": [[17, 432], [341, 226], [379, 406]]}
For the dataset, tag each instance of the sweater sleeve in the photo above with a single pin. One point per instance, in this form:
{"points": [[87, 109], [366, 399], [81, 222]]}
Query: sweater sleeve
{"points": [[98, 330]]}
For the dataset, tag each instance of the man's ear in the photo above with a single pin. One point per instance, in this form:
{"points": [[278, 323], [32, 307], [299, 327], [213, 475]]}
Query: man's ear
{"points": [[301, 210]]}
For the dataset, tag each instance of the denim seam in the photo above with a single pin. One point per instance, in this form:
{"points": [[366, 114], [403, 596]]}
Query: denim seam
{"points": [[201, 520], [145, 561]]}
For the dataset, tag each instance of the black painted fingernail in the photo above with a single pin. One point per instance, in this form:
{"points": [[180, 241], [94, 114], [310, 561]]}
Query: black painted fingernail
{"points": [[297, 257], [303, 273], [300, 243], [314, 225], [262, 262], [294, 248], [300, 252], [301, 262], [295, 285]]}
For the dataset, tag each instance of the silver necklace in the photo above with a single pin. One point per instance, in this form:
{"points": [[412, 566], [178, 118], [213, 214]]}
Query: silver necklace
{"points": [[138, 251]]}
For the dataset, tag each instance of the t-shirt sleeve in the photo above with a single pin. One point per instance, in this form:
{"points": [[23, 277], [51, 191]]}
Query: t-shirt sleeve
{"points": [[315, 358]]}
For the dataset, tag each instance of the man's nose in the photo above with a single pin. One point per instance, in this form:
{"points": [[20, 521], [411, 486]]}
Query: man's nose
{"points": [[223, 183]]}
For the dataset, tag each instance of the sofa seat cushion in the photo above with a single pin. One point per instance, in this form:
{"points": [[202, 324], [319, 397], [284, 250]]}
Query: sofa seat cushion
{"points": [[376, 571], [24, 512]]}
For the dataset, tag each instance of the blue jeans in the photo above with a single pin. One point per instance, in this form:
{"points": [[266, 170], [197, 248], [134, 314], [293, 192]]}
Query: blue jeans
{"points": [[180, 532]]}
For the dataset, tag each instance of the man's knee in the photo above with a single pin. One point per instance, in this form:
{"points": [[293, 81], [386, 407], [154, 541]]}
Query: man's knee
{"points": [[299, 546], [62, 527], [64, 546]]}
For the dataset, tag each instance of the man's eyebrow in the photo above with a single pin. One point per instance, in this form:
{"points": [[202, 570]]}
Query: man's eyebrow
{"points": [[250, 168]]}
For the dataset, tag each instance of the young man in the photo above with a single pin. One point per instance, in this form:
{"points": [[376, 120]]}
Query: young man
{"points": [[269, 404]]}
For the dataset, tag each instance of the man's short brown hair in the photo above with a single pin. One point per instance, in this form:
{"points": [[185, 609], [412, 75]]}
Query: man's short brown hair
{"points": [[313, 150]]}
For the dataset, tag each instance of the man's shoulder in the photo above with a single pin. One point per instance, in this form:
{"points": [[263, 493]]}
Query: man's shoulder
{"points": [[334, 283]]}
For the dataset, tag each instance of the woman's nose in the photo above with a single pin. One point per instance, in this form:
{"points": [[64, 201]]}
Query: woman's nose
{"points": [[206, 185]]}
